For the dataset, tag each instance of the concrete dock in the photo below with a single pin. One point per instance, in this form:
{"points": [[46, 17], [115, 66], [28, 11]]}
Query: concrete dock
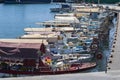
{"points": [[111, 75], [114, 60]]}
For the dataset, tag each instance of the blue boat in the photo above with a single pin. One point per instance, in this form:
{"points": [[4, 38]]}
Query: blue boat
{"points": [[32, 1]]}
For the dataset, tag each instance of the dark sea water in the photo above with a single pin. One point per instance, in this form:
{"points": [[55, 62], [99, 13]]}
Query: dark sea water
{"points": [[15, 17]]}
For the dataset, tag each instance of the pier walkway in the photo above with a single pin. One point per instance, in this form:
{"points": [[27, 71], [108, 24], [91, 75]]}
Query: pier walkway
{"points": [[114, 60], [111, 75]]}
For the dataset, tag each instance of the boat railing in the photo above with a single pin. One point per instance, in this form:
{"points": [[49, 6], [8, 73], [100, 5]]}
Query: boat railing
{"points": [[55, 68], [49, 68]]}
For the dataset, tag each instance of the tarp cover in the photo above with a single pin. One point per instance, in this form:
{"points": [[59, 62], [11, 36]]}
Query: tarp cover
{"points": [[19, 50]]}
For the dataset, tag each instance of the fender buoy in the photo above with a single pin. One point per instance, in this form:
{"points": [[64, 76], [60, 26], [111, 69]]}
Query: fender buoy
{"points": [[99, 56]]}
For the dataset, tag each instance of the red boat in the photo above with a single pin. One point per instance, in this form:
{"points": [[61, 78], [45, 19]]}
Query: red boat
{"points": [[27, 59], [48, 71]]}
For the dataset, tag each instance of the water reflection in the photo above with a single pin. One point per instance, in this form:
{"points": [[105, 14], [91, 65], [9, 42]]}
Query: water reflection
{"points": [[15, 17]]}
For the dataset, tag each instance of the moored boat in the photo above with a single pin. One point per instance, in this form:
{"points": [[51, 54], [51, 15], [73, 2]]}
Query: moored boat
{"points": [[74, 69], [64, 8], [33, 59]]}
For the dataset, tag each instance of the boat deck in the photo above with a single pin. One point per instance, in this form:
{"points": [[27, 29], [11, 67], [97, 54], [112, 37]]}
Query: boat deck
{"points": [[38, 36], [24, 40], [74, 68], [48, 29]]}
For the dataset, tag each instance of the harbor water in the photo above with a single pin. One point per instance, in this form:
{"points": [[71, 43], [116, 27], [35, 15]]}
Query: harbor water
{"points": [[15, 17]]}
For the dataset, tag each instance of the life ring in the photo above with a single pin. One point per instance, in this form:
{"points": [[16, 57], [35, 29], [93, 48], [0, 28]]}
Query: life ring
{"points": [[48, 60], [99, 56]]}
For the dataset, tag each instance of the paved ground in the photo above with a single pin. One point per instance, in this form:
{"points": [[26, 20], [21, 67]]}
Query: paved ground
{"points": [[115, 61], [111, 75]]}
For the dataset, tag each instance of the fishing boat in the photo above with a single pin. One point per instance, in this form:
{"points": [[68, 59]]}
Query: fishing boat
{"points": [[19, 57], [63, 8], [62, 22]]}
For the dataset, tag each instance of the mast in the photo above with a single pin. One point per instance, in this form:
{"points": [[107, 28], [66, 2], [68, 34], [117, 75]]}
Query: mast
{"points": [[98, 2], [51, 1]]}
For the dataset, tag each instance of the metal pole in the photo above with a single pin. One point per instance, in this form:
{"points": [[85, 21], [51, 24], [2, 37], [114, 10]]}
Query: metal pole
{"points": [[98, 2], [106, 65]]}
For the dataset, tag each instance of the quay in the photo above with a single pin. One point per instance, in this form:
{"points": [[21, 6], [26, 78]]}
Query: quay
{"points": [[111, 75], [113, 62]]}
